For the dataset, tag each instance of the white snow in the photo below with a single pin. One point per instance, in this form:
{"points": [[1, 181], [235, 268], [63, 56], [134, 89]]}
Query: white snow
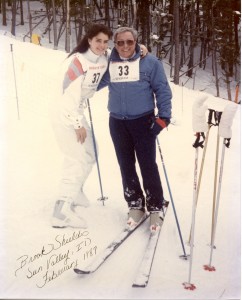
{"points": [[37, 261]]}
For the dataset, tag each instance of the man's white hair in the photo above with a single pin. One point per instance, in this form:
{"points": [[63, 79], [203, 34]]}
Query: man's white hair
{"points": [[126, 29]]}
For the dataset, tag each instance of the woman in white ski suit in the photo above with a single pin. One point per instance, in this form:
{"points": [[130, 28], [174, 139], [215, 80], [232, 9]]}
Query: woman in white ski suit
{"points": [[74, 137]]}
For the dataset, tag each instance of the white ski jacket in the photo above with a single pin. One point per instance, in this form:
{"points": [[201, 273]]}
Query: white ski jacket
{"points": [[80, 82]]}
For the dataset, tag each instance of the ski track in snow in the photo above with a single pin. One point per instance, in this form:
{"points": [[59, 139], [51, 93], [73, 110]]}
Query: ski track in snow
{"points": [[30, 170]]}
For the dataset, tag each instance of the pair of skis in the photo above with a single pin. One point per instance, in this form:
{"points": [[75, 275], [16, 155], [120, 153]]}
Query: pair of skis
{"points": [[144, 270]]}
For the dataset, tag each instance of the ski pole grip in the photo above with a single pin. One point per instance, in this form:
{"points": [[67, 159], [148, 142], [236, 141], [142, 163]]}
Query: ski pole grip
{"points": [[210, 116], [219, 115]]}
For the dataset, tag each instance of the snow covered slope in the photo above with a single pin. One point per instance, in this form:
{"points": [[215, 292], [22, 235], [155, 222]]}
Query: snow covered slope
{"points": [[36, 260]]}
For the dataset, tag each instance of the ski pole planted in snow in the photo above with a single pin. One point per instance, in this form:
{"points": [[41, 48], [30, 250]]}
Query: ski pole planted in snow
{"points": [[225, 132], [210, 116], [16, 91], [213, 120], [102, 198], [217, 115], [188, 285], [199, 126], [199, 122], [184, 256]]}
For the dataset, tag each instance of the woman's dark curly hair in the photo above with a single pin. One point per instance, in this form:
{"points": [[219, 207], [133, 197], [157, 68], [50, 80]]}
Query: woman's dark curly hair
{"points": [[92, 31]]}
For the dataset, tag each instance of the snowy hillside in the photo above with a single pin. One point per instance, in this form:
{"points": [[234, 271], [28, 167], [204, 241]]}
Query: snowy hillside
{"points": [[30, 170]]}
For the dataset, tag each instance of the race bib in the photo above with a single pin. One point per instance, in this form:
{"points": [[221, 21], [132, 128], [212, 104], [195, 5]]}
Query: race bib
{"points": [[93, 76], [124, 71]]}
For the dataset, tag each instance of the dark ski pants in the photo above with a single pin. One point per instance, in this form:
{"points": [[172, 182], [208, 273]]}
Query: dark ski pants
{"points": [[133, 139]]}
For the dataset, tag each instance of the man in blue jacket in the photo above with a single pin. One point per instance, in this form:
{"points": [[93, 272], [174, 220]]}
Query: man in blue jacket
{"points": [[137, 86]]}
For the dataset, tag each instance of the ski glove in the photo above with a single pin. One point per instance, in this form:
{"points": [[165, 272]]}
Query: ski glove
{"points": [[159, 124]]}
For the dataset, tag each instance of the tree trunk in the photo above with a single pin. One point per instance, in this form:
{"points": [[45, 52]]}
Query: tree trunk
{"points": [[13, 17], [181, 29], [143, 9], [107, 13], [68, 28], [4, 12], [80, 23], [214, 49], [177, 42], [134, 5], [192, 38], [30, 21], [98, 8], [21, 13], [228, 84], [54, 25], [203, 41]]}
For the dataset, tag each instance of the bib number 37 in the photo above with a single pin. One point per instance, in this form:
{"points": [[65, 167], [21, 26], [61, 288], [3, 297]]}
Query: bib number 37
{"points": [[96, 77]]}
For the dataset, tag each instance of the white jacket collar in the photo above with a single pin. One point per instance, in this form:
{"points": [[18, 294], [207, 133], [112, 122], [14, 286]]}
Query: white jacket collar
{"points": [[89, 55]]}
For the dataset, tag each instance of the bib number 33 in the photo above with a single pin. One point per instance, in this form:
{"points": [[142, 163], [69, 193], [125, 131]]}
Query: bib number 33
{"points": [[124, 71]]}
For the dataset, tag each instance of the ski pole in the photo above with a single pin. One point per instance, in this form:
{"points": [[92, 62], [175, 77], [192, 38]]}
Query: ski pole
{"points": [[184, 256], [217, 119], [203, 159], [209, 267], [16, 90], [102, 198], [224, 131], [188, 285], [199, 126], [204, 151]]}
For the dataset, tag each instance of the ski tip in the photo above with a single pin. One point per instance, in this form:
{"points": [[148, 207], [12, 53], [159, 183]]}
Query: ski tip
{"points": [[189, 286], [78, 271]]}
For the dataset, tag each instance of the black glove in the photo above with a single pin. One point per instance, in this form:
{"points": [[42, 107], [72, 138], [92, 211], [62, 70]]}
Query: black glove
{"points": [[159, 124]]}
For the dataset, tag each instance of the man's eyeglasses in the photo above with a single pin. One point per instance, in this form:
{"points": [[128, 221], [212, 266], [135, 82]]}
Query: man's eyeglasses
{"points": [[128, 42]]}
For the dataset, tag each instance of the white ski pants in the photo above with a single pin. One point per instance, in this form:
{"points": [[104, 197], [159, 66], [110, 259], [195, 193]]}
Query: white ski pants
{"points": [[78, 159]]}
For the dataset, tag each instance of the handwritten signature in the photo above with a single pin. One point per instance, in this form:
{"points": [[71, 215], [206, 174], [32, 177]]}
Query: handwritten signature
{"points": [[54, 259]]}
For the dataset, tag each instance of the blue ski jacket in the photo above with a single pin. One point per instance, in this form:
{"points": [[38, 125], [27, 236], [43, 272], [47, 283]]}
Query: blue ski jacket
{"points": [[133, 99]]}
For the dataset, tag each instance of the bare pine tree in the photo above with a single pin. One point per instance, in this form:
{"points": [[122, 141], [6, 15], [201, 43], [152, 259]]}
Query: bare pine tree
{"points": [[4, 12], [14, 11], [68, 26], [54, 25], [30, 20], [177, 41]]}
